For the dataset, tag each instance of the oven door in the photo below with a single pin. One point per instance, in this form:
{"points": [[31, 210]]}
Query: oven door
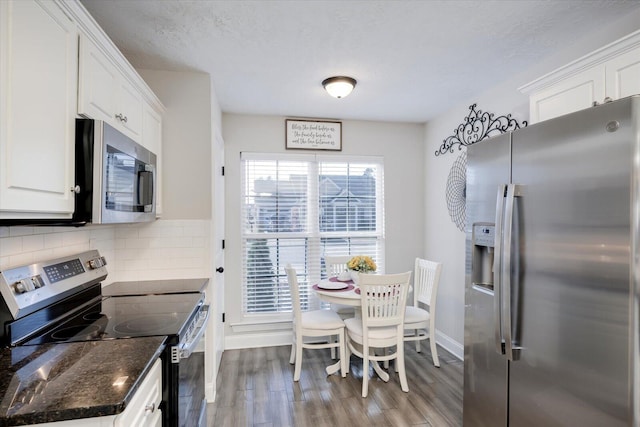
{"points": [[191, 403]]}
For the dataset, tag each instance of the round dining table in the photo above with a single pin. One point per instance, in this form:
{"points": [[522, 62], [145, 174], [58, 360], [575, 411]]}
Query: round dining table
{"points": [[346, 293], [336, 292]]}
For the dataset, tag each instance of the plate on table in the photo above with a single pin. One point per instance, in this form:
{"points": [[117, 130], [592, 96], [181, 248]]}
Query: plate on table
{"points": [[332, 286]]}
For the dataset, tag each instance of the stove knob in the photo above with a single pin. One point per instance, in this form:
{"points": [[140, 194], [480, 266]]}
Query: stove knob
{"points": [[20, 288], [96, 263], [37, 281]]}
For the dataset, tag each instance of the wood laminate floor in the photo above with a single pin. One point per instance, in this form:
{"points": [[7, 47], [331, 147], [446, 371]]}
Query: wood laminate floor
{"points": [[256, 388]]}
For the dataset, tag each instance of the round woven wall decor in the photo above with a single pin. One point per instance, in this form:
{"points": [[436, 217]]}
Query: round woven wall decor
{"points": [[457, 191]]}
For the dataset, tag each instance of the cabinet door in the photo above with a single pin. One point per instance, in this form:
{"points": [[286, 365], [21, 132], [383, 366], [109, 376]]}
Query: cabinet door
{"points": [[38, 94], [97, 83], [142, 410], [129, 110], [152, 141], [623, 75], [572, 94]]}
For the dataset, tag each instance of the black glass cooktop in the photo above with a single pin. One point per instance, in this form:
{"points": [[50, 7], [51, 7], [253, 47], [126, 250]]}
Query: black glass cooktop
{"points": [[126, 317]]}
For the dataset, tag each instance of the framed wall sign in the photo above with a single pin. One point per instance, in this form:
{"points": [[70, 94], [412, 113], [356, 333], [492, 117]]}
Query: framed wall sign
{"points": [[313, 135]]}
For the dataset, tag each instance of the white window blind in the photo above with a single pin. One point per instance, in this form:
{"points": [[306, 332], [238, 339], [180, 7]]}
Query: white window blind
{"points": [[296, 209]]}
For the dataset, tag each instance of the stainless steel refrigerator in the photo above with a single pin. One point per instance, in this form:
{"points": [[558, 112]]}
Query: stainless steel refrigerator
{"points": [[552, 271]]}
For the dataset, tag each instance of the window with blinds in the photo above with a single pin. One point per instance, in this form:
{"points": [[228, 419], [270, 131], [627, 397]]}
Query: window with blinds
{"points": [[296, 209]]}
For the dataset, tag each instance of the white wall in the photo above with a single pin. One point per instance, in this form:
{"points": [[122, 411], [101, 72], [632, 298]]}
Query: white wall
{"points": [[443, 241], [401, 146], [186, 145]]}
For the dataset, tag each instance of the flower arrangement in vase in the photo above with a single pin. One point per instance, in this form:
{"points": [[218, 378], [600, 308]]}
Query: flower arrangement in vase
{"points": [[360, 264]]}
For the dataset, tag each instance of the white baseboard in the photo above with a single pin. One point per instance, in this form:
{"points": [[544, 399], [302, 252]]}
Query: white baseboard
{"points": [[262, 339], [284, 338], [210, 392], [451, 345]]}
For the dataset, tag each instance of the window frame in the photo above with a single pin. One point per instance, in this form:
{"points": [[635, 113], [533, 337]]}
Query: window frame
{"points": [[314, 237]]}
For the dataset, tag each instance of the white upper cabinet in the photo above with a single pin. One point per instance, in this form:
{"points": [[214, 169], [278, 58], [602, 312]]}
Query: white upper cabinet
{"points": [[97, 83], [106, 94], [609, 73], [38, 87], [152, 141], [57, 64], [623, 74]]}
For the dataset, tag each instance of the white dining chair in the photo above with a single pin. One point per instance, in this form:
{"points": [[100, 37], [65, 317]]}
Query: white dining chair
{"points": [[313, 324], [334, 265], [381, 326], [420, 323]]}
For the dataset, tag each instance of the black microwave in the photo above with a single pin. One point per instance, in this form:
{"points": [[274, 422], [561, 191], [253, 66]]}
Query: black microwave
{"points": [[115, 176]]}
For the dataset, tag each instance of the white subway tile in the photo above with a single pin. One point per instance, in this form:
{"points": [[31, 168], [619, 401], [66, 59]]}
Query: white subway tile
{"points": [[4, 232], [21, 259], [71, 249], [43, 255], [200, 242], [106, 233], [10, 246], [195, 230], [137, 243], [72, 238], [126, 231], [129, 265], [33, 243], [176, 243], [101, 245], [20, 231], [53, 240]]}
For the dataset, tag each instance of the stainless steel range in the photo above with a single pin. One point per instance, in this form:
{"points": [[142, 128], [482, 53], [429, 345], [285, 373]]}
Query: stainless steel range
{"points": [[61, 301]]}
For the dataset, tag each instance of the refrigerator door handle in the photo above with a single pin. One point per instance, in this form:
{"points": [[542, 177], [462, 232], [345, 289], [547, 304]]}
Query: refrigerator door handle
{"points": [[513, 191], [497, 265]]}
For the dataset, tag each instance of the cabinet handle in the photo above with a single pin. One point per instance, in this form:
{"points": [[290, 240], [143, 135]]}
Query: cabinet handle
{"points": [[124, 119], [75, 189], [149, 408]]}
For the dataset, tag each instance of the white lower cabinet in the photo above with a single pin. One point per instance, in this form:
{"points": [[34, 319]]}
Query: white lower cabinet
{"points": [[142, 410], [38, 93]]}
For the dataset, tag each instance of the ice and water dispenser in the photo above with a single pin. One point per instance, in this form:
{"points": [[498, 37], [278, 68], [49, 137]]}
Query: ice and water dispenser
{"points": [[482, 247]]}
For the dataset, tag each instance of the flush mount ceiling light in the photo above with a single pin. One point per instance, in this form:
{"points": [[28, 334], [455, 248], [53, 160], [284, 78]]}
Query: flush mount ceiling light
{"points": [[339, 86]]}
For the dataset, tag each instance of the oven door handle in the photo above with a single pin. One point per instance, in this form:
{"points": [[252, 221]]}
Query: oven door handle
{"points": [[188, 346]]}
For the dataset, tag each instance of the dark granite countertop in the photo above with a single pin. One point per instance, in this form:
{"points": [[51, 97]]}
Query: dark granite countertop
{"points": [[56, 382]]}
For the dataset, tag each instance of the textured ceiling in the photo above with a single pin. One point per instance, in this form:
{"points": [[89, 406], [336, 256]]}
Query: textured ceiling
{"points": [[412, 59]]}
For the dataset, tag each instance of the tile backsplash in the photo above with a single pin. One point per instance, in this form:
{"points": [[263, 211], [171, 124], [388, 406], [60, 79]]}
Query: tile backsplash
{"points": [[162, 249]]}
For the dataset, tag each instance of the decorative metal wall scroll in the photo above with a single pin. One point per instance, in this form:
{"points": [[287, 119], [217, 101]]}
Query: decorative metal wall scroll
{"points": [[477, 126], [457, 191]]}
